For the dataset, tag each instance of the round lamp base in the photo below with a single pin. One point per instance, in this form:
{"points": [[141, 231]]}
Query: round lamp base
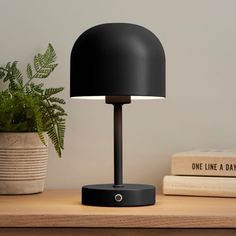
{"points": [[118, 196]]}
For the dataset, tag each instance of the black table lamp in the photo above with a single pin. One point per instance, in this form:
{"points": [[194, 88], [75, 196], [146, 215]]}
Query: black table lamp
{"points": [[117, 62]]}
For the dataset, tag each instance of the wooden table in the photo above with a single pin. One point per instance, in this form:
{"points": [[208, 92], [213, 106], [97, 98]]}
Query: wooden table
{"points": [[59, 212]]}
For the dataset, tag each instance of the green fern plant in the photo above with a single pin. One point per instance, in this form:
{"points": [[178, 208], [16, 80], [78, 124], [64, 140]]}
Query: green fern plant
{"points": [[26, 106]]}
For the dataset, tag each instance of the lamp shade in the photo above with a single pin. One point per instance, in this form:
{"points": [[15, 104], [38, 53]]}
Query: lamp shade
{"points": [[117, 59]]}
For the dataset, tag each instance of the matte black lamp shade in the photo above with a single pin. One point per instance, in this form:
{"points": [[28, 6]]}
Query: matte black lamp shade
{"points": [[117, 61]]}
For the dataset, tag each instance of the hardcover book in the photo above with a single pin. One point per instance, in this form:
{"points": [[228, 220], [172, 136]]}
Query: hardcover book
{"points": [[205, 163], [199, 186]]}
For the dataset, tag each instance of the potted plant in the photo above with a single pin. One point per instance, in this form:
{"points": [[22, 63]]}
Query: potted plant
{"points": [[29, 113]]}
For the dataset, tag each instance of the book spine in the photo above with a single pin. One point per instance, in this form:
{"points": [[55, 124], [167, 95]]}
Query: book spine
{"points": [[206, 166], [199, 186]]}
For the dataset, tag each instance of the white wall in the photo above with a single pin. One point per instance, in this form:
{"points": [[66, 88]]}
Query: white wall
{"points": [[199, 37]]}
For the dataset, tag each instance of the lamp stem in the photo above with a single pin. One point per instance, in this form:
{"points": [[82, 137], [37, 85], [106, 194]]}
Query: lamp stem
{"points": [[117, 102], [118, 165]]}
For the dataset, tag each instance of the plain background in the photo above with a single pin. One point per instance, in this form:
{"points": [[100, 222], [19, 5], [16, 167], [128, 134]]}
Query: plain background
{"points": [[199, 38]]}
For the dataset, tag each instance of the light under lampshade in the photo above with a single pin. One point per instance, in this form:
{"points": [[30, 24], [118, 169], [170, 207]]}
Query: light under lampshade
{"points": [[118, 61]]}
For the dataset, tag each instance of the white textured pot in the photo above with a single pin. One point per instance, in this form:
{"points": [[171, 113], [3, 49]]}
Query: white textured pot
{"points": [[23, 163]]}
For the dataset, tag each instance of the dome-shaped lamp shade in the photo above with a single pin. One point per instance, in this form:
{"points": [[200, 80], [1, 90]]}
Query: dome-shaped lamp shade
{"points": [[117, 59]]}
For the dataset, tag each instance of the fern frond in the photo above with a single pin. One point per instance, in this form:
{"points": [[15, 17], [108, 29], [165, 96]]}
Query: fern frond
{"points": [[36, 63], [41, 60], [52, 134], [42, 73], [38, 89], [29, 71], [50, 55], [45, 71], [51, 91], [58, 100], [61, 133], [57, 107], [35, 88], [16, 75], [59, 114], [8, 72], [13, 76], [43, 63], [51, 67], [39, 124]]}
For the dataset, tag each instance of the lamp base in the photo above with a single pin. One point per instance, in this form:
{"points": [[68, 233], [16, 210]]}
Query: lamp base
{"points": [[126, 195]]}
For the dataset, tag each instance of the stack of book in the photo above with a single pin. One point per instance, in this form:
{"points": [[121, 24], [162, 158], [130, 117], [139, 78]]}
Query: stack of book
{"points": [[202, 173]]}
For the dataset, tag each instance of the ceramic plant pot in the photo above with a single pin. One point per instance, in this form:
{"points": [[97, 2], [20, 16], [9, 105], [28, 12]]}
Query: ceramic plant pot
{"points": [[23, 163]]}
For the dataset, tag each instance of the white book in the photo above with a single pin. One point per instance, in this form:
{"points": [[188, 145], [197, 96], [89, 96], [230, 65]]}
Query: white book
{"points": [[204, 163], [199, 186]]}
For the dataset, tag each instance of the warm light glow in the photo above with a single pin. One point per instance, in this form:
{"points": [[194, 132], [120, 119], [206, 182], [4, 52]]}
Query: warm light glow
{"points": [[132, 98]]}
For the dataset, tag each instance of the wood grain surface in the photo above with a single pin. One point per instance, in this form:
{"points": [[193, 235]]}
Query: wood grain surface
{"points": [[62, 208], [114, 232]]}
